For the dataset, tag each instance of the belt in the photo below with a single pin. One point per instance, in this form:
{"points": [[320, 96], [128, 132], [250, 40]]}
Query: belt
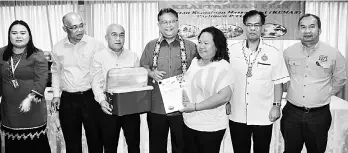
{"points": [[78, 92], [307, 109]]}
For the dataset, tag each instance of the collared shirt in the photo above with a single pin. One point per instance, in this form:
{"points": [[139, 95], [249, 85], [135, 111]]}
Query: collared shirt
{"points": [[169, 60], [105, 60], [253, 96], [315, 75], [71, 64]]}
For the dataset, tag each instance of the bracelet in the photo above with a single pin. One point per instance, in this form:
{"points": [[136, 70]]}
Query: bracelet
{"points": [[195, 107]]}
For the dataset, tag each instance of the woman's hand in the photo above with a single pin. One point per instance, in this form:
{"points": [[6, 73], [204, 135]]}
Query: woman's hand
{"points": [[26, 103], [188, 107]]}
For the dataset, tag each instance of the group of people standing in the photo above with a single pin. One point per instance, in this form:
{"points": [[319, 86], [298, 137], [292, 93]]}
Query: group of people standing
{"points": [[238, 87]]}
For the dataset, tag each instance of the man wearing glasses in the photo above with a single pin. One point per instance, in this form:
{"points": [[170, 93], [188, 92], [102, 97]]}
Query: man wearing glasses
{"points": [[164, 57], [72, 93], [259, 72]]}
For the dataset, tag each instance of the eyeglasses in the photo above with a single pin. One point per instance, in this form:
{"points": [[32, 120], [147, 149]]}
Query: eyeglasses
{"points": [[164, 23], [76, 27], [115, 35], [256, 25]]}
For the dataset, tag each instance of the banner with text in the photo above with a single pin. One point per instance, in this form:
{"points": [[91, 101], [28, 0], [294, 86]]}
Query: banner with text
{"points": [[281, 17]]}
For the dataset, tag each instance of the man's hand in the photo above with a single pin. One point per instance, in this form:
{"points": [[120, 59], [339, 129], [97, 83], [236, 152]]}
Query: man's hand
{"points": [[274, 114], [106, 107], [157, 75], [55, 103]]}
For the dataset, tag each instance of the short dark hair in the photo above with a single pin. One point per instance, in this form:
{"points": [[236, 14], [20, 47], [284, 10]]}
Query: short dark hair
{"points": [[30, 46], [251, 13], [308, 15], [167, 10], [220, 42]]}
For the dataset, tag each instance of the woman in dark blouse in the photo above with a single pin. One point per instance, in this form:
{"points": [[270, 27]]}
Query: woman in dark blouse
{"points": [[24, 72]]}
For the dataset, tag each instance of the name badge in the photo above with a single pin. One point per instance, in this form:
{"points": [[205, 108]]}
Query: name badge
{"points": [[15, 83]]}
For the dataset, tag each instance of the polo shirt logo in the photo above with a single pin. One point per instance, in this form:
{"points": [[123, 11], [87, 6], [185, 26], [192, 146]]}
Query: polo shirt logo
{"points": [[322, 58]]}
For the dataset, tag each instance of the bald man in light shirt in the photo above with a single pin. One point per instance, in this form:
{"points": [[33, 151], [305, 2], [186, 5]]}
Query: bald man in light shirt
{"points": [[72, 93], [114, 56]]}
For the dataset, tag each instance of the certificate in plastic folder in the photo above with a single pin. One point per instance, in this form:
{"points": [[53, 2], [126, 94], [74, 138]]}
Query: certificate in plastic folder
{"points": [[171, 91]]}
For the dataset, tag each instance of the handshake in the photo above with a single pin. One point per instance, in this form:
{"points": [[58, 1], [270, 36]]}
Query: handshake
{"points": [[26, 103]]}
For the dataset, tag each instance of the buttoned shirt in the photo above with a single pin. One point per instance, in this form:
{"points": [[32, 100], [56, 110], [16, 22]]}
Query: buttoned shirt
{"points": [[169, 60], [71, 64], [253, 96], [105, 60], [315, 74]]}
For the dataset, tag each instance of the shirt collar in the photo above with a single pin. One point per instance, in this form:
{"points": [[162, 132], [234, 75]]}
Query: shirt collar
{"points": [[84, 40], [114, 53], [175, 40], [261, 44], [316, 46]]}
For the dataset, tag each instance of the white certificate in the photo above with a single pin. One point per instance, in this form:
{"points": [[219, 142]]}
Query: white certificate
{"points": [[171, 92]]}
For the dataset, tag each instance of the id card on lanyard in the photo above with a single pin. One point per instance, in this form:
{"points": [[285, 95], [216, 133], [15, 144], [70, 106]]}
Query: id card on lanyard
{"points": [[14, 81]]}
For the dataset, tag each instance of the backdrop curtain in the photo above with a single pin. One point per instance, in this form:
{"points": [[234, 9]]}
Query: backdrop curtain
{"points": [[43, 17]]}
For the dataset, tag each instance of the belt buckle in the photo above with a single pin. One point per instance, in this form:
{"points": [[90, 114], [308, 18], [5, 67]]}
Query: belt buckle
{"points": [[306, 109]]}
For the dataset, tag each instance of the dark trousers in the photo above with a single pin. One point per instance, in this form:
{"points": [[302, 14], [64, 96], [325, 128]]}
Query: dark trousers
{"points": [[77, 109], [300, 127], [202, 142], [158, 132], [241, 134], [111, 126]]}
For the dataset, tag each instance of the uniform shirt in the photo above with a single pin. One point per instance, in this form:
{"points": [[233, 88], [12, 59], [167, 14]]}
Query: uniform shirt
{"points": [[315, 74], [105, 60], [202, 82], [169, 60], [71, 64], [253, 96]]}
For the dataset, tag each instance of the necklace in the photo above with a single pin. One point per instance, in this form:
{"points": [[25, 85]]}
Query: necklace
{"points": [[182, 54], [250, 65]]}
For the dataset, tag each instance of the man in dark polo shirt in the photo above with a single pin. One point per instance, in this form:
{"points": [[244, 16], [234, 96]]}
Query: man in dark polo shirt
{"points": [[164, 57]]}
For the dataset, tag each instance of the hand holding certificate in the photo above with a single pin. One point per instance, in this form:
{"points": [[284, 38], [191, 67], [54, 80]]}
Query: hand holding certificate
{"points": [[171, 91]]}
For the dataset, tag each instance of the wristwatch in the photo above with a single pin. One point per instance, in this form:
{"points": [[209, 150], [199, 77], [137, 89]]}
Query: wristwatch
{"points": [[277, 103]]}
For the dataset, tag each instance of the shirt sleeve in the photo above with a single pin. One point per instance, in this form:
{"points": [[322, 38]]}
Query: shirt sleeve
{"points": [[225, 77], [40, 73], [98, 80], [339, 73], [146, 57], [280, 72], [55, 70], [191, 50]]}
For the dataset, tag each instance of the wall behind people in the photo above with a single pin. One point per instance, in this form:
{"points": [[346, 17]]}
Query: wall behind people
{"points": [[139, 20]]}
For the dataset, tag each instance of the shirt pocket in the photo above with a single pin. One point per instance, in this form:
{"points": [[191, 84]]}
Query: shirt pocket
{"points": [[263, 71], [323, 70], [294, 66]]}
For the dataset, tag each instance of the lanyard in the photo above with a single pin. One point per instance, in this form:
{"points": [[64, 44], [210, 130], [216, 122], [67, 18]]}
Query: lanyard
{"points": [[14, 67]]}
